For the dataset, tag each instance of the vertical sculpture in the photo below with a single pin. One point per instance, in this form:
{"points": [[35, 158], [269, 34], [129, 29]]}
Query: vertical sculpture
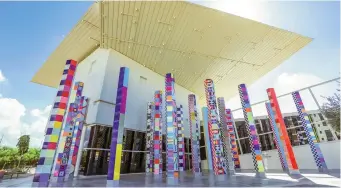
{"points": [[149, 138], [314, 146], [207, 138], [172, 141], [283, 134], [54, 126], [252, 131], [213, 128], [118, 128], [79, 123], [65, 140], [194, 133], [225, 136], [233, 140], [278, 142], [158, 134], [181, 138]]}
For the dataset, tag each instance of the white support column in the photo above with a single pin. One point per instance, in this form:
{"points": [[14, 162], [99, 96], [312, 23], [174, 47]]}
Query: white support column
{"points": [[80, 151]]}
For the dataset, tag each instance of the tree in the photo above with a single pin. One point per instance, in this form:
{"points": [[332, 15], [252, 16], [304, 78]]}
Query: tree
{"points": [[331, 109], [23, 145]]}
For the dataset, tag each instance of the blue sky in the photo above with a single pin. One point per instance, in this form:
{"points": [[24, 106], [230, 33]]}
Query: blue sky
{"points": [[31, 31]]}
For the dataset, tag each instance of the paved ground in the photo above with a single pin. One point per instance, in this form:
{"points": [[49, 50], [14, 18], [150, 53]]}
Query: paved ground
{"points": [[244, 179]]}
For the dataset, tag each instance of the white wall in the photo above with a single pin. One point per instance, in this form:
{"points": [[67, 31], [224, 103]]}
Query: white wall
{"points": [[90, 72], [304, 158], [102, 84]]}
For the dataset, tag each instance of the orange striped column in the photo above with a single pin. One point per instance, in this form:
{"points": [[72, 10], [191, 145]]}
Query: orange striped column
{"points": [[283, 134]]}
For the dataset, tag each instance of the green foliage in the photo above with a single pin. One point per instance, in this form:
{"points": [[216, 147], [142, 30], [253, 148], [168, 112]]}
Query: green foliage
{"points": [[9, 157], [23, 144], [331, 109]]}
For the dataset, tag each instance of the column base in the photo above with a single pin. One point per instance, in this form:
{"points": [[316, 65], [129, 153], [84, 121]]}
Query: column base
{"points": [[294, 172], [172, 181], [323, 170], [220, 177], [260, 175], [113, 183]]}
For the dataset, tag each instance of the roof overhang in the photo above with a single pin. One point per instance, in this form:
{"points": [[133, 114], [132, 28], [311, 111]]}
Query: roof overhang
{"points": [[189, 40]]}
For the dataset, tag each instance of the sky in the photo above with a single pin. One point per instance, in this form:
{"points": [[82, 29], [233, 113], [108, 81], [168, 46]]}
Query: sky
{"points": [[31, 31]]}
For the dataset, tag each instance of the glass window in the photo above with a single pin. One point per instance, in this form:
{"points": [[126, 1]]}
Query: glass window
{"points": [[324, 123], [203, 153], [329, 135], [245, 145], [202, 140], [321, 116]]}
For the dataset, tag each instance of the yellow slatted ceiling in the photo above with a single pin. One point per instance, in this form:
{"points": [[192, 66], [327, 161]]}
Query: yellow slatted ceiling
{"points": [[189, 40]]}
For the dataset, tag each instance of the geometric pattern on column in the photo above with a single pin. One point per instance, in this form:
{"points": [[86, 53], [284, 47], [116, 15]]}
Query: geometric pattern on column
{"points": [[65, 140], [157, 133], [278, 142], [233, 140], [181, 138], [252, 131], [118, 128], [172, 129], [207, 137], [314, 146], [54, 126], [283, 134], [79, 123], [149, 138], [213, 128], [194, 134], [225, 136]]}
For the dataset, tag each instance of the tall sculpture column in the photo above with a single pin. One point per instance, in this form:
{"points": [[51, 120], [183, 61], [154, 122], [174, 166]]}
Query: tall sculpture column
{"points": [[213, 128], [157, 134], [252, 131], [54, 126], [118, 128], [314, 146], [65, 140], [283, 134], [278, 142], [225, 137], [233, 140], [181, 139], [207, 138], [195, 133], [172, 141], [76, 140], [149, 138]]}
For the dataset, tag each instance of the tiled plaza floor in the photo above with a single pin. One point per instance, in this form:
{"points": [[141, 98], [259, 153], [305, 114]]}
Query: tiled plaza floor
{"points": [[243, 179]]}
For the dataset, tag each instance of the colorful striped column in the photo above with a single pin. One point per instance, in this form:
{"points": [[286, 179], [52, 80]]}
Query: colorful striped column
{"points": [[213, 128], [172, 140], [277, 138], [233, 139], [194, 133], [252, 131], [114, 168], [158, 134], [314, 146], [79, 123], [181, 138], [149, 138], [65, 140], [54, 127], [283, 134], [207, 138], [225, 137]]}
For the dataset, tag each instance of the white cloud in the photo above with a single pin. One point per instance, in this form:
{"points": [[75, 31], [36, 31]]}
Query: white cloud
{"points": [[285, 83], [13, 124], [2, 77]]}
